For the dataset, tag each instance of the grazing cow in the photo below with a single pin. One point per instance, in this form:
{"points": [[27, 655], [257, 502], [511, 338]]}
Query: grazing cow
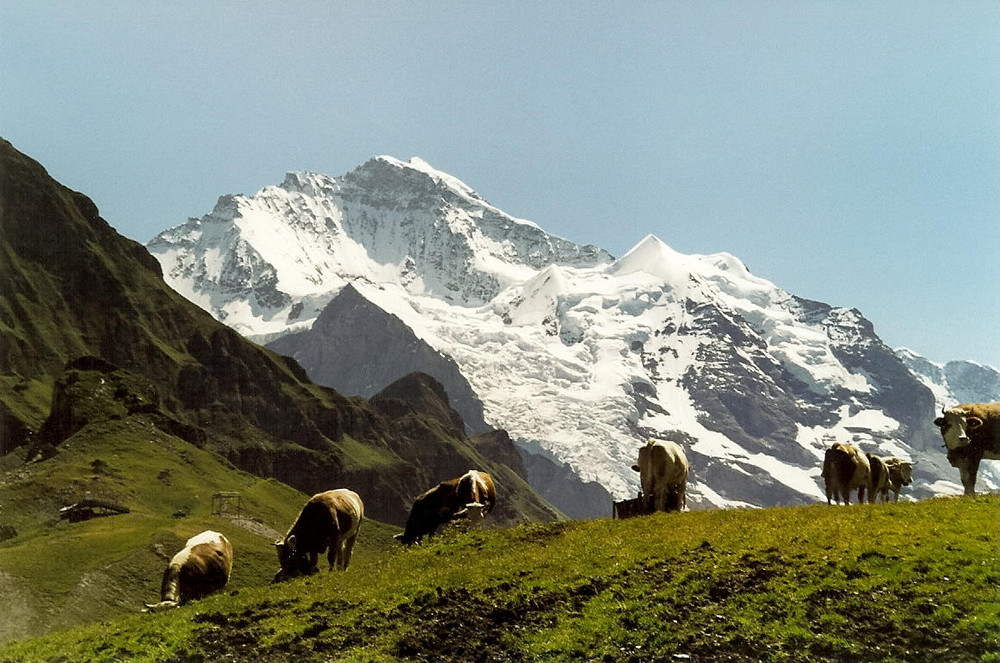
{"points": [[971, 433], [879, 479], [201, 568], [663, 473], [844, 469], [900, 474], [471, 495], [329, 520]]}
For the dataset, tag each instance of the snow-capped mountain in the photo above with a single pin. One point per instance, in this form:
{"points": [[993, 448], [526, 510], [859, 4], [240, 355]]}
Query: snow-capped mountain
{"points": [[956, 381], [386, 222], [578, 355]]}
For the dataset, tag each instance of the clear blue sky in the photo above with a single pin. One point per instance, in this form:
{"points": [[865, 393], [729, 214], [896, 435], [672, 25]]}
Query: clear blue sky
{"points": [[849, 151]]}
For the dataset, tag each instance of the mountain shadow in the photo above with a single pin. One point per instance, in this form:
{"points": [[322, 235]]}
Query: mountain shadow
{"points": [[357, 348]]}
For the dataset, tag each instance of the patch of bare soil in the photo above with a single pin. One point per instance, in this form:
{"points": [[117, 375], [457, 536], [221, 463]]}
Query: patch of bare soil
{"points": [[18, 620]]}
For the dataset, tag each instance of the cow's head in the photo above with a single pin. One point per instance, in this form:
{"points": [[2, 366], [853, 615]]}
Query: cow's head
{"points": [[162, 605], [473, 513], [407, 539], [293, 561], [955, 426], [900, 470]]}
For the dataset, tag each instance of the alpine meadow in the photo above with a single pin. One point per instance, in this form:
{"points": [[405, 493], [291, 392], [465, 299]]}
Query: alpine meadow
{"points": [[388, 330]]}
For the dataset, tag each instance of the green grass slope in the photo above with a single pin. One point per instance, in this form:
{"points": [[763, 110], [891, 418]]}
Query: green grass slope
{"points": [[55, 574], [899, 582]]}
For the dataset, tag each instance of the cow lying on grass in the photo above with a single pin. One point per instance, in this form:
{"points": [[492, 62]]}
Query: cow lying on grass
{"points": [[471, 496], [328, 521], [201, 568], [971, 432]]}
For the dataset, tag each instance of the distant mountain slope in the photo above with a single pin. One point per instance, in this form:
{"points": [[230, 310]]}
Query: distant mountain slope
{"points": [[955, 381], [355, 347], [75, 288], [579, 356]]}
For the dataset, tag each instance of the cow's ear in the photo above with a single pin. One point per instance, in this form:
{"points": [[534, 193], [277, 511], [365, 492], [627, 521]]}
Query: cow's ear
{"points": [[939, 422], [635, 467], [972, 423]]}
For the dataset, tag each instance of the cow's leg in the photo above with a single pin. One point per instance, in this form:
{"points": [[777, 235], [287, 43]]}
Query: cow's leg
{"points": [[661, 500], [346, 549], [969, 468], [333, 555], [313, 562]]}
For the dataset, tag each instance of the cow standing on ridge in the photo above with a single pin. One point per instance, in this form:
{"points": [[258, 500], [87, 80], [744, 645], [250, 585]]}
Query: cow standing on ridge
{"points": [[329, 520], [971, 432], [202, 567], [663, 473], [879, 482], [844, 469], [471, 495], [900, 474]]}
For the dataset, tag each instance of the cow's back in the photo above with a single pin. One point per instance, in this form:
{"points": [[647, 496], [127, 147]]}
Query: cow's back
{"points": [[324, 516], [475, 487], [845, 466], [208, 569], [669, 464], [202, 567], [662, 466]]}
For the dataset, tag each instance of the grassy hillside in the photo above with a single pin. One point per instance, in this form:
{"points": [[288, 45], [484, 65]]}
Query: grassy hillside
{"points": [[55, 574], [900, 582]]}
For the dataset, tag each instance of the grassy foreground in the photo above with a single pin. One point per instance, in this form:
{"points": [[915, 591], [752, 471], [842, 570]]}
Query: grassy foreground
{"points": [[900, 582]]}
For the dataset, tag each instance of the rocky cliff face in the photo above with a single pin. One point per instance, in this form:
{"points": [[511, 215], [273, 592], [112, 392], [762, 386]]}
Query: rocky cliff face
{"points": [[579, 356], [357, 348]]}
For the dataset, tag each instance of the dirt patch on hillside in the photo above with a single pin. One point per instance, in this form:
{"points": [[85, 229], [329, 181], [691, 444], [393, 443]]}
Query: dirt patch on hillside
{"points": [[19, 619]]}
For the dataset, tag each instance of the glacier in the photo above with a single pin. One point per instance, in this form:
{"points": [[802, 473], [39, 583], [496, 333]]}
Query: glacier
{"points": [[578, 355]]}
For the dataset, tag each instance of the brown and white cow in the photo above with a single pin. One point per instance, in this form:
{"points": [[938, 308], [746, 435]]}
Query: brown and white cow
{"points": [[844, 469], [202, 567], [663, 473], [878, 479], [900, 474], [471, 495], [971, 432], [328, 521]]}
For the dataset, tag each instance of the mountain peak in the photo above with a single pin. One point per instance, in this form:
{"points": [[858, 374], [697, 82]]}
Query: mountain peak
{"points": [[410, 178], [654, 257]]}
